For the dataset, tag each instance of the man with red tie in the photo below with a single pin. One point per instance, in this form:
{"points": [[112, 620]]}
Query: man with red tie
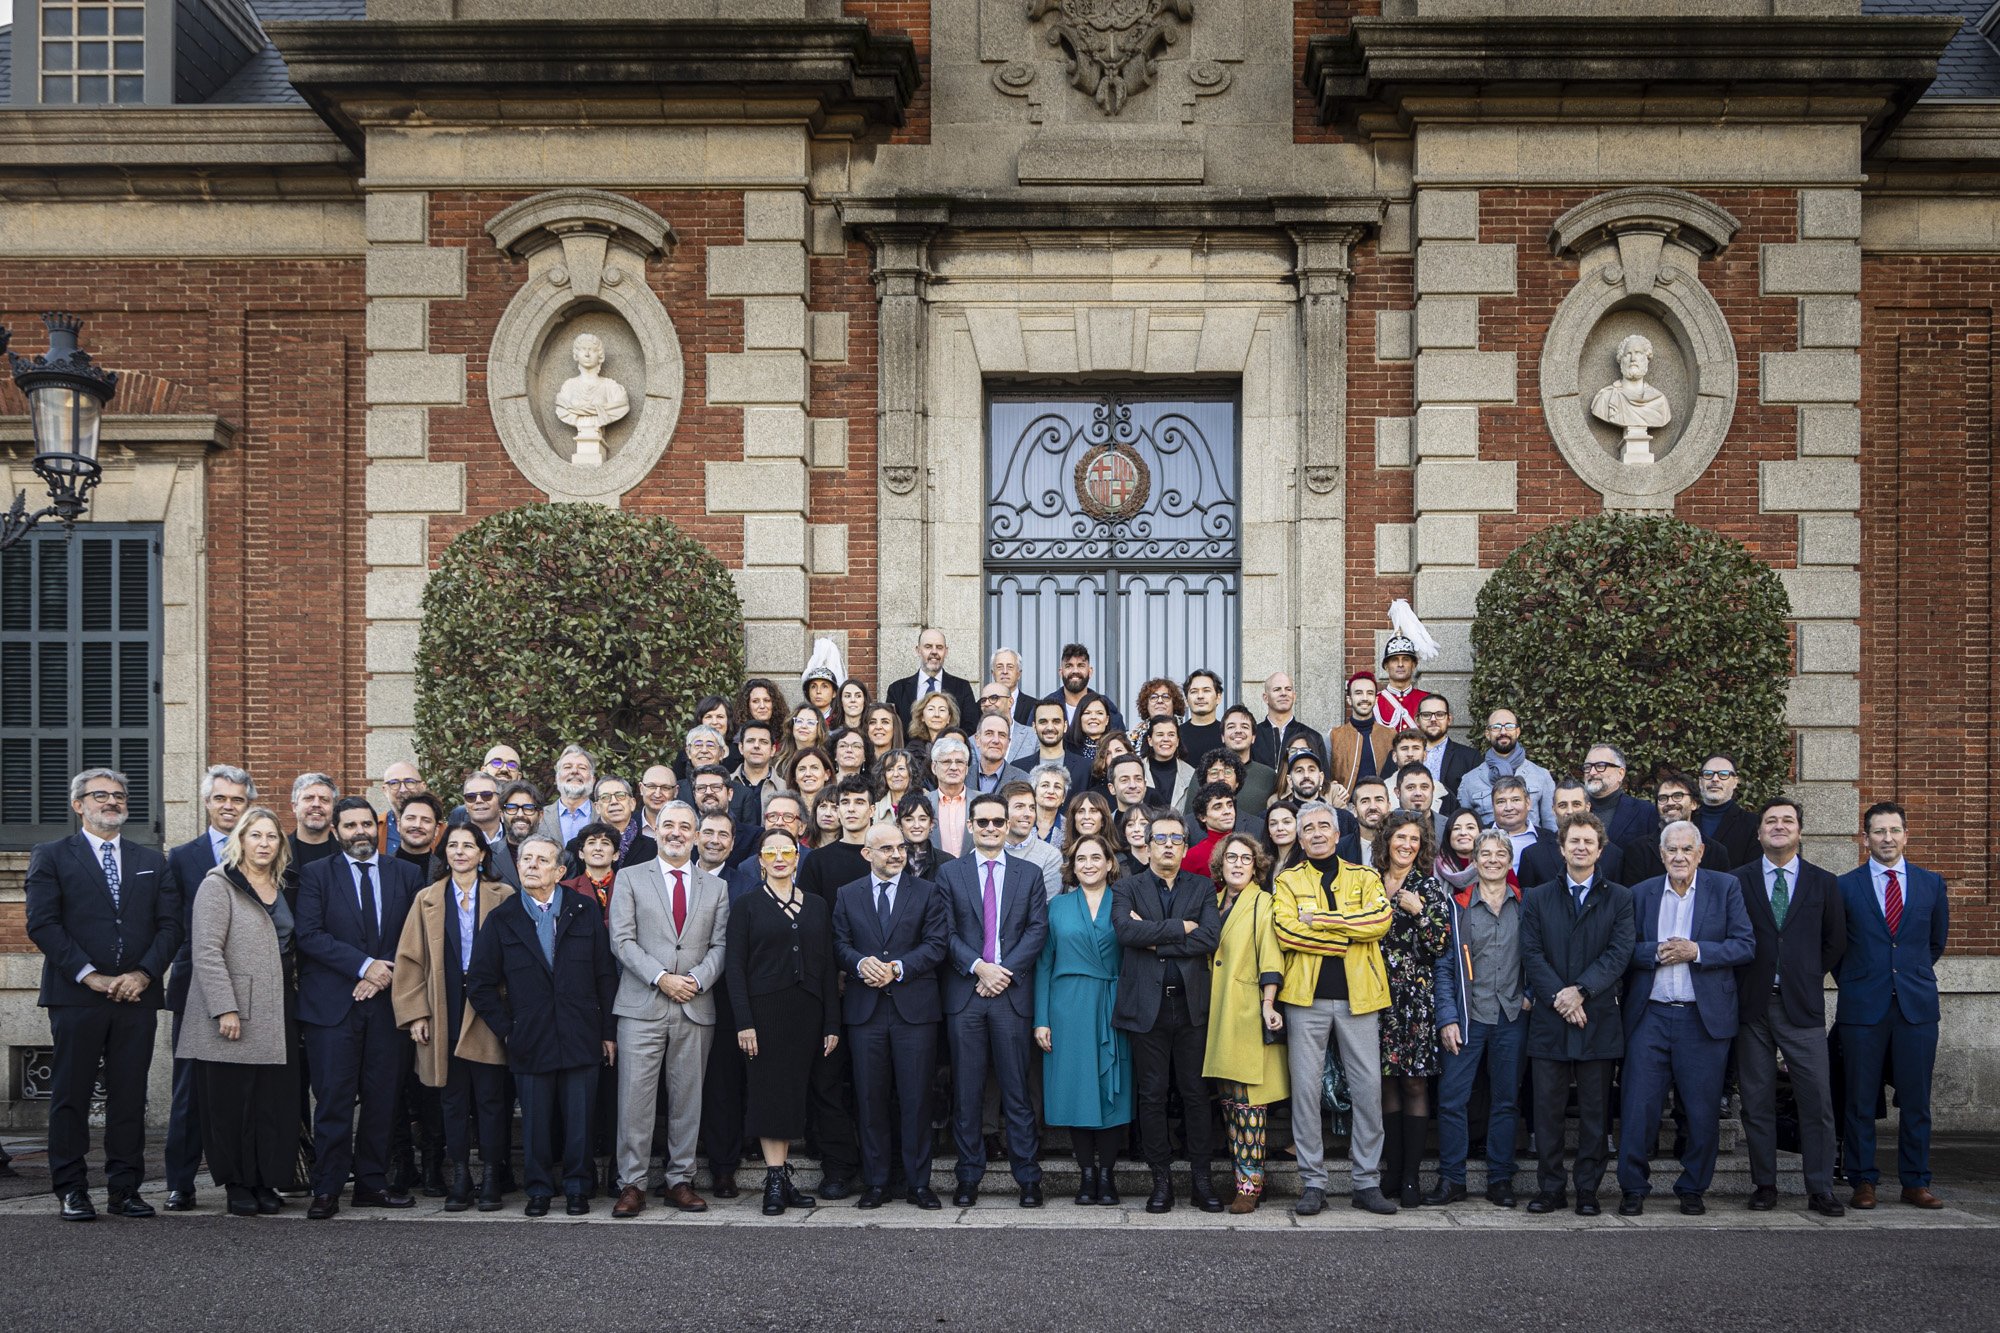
{"points": [[1897, 923]]}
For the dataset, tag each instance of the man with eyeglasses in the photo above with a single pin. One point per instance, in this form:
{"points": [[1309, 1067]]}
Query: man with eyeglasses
{"points": [[950, 802], [107, 921], [400, 781], [657, 786], [502, 763], [1673, 799], [999, 916], [1167, 926], [996, 701], [615, 806], [710, 790], [1506, 757], [1719, 817], [1447, 759], [781, 811], [1627, 819], [482, 812]]}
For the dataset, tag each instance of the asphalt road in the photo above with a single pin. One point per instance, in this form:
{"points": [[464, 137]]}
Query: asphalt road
{"points": [[221, 1273]]}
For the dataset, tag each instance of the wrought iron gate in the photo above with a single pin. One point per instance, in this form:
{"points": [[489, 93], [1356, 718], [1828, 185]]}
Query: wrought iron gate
{"points": [[1112, 521]]}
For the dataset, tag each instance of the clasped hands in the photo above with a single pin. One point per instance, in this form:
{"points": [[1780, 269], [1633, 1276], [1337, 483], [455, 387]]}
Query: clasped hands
{"points": [[374, 981], [678, 988], [1678, 950], [124, 988], [876, 972], [1569, 1004], [992, 978]]}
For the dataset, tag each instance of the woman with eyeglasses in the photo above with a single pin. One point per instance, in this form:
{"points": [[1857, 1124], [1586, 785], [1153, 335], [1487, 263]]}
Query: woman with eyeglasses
{"points": [[1086, 1063], [783, 988], [1246, 1050], [1419, 932], [1158, 697], [805, 732], [852, 755]]}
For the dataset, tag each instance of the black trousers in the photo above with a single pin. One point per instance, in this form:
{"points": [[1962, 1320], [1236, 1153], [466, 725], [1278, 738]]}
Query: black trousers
{"points": [[121, 1037], [568, 1095], [722, 1093], [473, 1101], [183, 1150], [893, 1063], [1170, 1057], [1553, 1080], [251, 1131], [830, 1114], [356, 1062], [419, 1118]]}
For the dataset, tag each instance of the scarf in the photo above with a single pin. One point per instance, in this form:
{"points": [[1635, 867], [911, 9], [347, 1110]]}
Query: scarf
{"points": [[1506, 764]]}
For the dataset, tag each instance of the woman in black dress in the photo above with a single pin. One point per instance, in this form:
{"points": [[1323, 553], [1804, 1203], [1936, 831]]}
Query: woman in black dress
{"points": [[782, 975]]}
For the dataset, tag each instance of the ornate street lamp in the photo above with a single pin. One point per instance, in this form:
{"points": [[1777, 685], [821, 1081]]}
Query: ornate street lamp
{"points": [[66, 395]]}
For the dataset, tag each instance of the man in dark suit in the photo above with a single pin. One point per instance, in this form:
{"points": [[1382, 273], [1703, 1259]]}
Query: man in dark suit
{"points": [[1898, 920], [107, 922], [1542, 860], [1576, 942], [351, 911], [1628, 821], [1801, 927], [891, 930], [1680, 1015], [544, 980], [905, 694], [1166, 921], [1718, 816], [1448, 760], [226, 793], [999, 914]]}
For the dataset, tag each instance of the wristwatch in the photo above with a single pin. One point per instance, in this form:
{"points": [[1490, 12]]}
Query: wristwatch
{"points": [[1582, 994]]}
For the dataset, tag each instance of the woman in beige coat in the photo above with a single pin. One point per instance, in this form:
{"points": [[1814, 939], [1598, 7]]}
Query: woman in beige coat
{"points": [[456, 1052], [241, 1014]]}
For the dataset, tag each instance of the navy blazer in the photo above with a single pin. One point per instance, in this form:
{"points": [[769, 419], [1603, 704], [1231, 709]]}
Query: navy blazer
{"points": [[1459, 759], [1024, 929], [902, 696], [549, 1018], [1631, 821], [328, 931], [187, 865], [1798, 957], [1562, 947], [919, 929], [1877, 968], [72, 921], [1721, 928]]}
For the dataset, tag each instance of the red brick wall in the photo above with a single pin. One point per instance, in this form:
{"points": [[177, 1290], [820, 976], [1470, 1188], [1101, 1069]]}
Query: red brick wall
{"points": [[847, 389], [1930, 676], [1374, 495]]}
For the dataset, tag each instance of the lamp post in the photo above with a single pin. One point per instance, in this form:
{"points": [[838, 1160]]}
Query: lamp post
{"points": [[66, 395]]}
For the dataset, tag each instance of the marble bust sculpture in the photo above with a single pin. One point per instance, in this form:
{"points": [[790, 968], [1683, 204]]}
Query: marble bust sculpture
{"points": [[1632, 403], [590, 401]]}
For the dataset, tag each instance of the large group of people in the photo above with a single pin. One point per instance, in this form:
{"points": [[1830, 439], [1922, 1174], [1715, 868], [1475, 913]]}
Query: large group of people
{"points": [[968, 909]]}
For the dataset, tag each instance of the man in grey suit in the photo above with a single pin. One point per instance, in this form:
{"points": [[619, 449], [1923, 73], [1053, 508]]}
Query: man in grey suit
{"points": [[669, 924]]}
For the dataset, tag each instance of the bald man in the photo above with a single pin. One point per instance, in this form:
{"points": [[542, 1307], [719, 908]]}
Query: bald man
{"points": [[1281, 725]]}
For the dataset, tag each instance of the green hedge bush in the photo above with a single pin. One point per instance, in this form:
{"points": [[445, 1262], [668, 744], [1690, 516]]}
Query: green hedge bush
{"points": [[1658, 636], [554, 623]]}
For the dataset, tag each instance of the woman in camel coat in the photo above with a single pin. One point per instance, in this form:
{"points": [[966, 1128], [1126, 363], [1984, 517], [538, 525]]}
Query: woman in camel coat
{"points": [[456, 1052]]}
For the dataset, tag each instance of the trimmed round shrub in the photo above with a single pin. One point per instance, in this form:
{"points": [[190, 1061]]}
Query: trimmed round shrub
{"points": [[1657, 636], [555, 623]]}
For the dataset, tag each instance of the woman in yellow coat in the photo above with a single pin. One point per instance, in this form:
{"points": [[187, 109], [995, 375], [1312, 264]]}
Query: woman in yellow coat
{"points": [[1246, 1051]]}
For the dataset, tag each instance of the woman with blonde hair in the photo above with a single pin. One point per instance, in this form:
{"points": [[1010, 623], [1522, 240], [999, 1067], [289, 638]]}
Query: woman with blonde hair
{"points": [[241, 1017], [936, 715]]}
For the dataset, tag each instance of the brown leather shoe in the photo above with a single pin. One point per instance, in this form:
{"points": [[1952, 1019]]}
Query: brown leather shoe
{"points": [[1864, 1195], [683, 1197], [631, 1202], [1918, 1197]]}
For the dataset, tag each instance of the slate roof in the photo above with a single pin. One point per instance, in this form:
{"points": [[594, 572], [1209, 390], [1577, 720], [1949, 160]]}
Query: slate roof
{"points": [[1970, 66]]}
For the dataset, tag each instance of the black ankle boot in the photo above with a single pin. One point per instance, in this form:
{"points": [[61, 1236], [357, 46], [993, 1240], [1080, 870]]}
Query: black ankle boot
{"points": [[793, 1196], [1086, 1186], [458, 1192], [774, 1191], [1107, 1184], [490, 1191]]}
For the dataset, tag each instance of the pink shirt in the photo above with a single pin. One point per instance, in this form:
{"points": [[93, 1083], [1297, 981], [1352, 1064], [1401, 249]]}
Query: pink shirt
{"points": [[951, 822]]}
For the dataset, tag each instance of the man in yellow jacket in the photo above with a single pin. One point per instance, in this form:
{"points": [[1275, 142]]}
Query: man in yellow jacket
{"points": [[1328, 911]]}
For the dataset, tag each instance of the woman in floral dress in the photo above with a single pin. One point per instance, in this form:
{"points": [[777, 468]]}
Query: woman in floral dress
{"points": [[1403, 853]]}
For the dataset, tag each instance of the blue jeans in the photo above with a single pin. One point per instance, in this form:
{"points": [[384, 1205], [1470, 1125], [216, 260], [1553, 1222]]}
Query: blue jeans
{"points": [[1500, 1046]]}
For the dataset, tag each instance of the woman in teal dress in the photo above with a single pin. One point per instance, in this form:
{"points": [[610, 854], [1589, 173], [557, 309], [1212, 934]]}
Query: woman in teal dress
{"points": [[1086, 1063]]}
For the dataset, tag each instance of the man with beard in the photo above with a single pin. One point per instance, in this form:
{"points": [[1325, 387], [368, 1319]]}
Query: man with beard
{"points": [[350, 916], [1076, 691], [576, 776], [1260, 776], [1050, 727], [1673, 799], [1202, 731], [1719, 817], [1305, 780], [713, 793], [1447, 760], [420, 818], [930, 677], [420, 1108], [1360, 749], [1506, 756], [313, 797], [401, 781], [1628, 820], [1371, 811]]}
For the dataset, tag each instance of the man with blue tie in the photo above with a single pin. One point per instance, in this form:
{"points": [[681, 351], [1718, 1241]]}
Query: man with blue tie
{"points": [[890, 930], [1898, 919], [999, 916], [350, 918], [107, 923], [1680, 1014], [226, 792]]}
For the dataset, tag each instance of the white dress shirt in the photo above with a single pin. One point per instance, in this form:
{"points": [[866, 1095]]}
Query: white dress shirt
{"points": [[1674, 983]]}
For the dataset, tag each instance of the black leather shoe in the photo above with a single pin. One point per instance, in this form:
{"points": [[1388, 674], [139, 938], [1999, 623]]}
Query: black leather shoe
{"points": [[1162, 1198], [794, 1196], [1631, 1205], [323, 1207], [537, 1205], [576, 1205], [774, 1192], [1545, 1203], [1826, 1205], [77, 1207], [1587, 1205], [1203, 1193], [924, 1197], [722, 1185], [1086, 1186], [242, 1203], [268, 1202], [1501, 1194], [1763, 1199], [872, 1197], [1692, 1205], [180, 1201], [835, 1187], [966, 1195], [1443, 1193], [458, 1194], [127, 1203], [1107, 1187], [1031, 1194], [489, 1192], [364, 1198]]}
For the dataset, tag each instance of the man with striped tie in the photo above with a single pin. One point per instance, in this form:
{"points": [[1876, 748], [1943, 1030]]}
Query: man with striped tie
{"points": [[1897, 923]]}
